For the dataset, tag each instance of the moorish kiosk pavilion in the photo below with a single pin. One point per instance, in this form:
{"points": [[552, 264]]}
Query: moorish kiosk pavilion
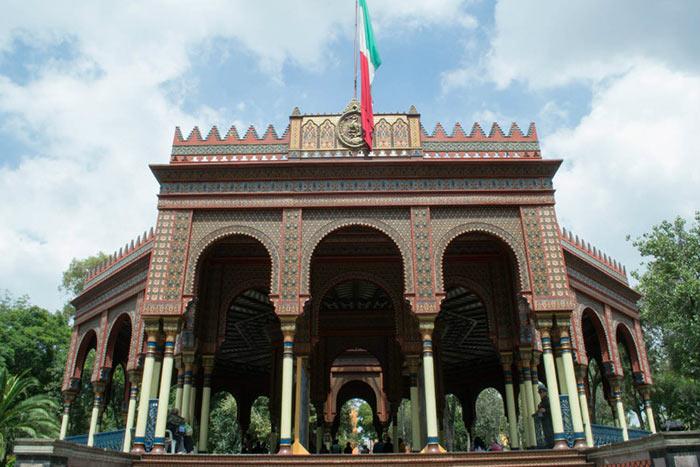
{"points": [[305, 269]]}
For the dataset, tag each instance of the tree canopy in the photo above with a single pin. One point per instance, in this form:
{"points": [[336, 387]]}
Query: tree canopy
{"points": [[670, 311], [73, 277]]}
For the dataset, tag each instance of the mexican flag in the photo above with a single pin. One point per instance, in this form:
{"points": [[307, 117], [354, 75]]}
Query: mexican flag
{"points": [[369, 62]]}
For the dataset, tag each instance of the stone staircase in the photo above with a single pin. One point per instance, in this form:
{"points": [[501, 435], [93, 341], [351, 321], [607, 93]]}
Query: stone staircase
{"points": [[535, 458]]}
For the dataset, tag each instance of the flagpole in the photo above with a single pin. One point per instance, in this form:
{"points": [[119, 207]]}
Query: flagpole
{"points": [[355, 75]]}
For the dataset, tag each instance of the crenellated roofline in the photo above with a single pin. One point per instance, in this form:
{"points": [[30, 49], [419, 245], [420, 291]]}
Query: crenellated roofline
{"points": [[318, 136], [593, 255]]}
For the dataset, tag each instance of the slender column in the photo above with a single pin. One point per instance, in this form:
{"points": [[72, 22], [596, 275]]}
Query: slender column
{"points": [[157, 369], [523, 407], [193, 398], [142, 417], [581, 371], [188, 360], [619, 409], [395, 431], [180, 382], [413, 366], [69, 396], [171, 328], [208, 366], [431, 421], [558, 358], [551, 377], [134, 378], [644, 391], [613, 410], [570, 375], [99, 388], [535, 377], [525, 356], [507, 363], [288, 329]]}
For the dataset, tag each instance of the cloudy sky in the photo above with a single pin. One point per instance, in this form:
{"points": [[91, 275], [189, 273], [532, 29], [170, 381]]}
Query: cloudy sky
{"points": [[91, 94]]}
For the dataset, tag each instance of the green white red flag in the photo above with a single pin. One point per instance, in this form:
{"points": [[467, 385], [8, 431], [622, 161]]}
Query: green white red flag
{"points": [[369, 62]]}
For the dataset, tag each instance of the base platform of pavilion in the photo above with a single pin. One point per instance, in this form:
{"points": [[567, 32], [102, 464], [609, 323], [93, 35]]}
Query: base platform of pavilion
{"points": [[466, 459]]}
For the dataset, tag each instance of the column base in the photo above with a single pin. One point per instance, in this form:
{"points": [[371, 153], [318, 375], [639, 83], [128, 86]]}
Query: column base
{"points": [[580, 443], [285, 450], [158, 449], [138, 448], [560, 444], [433, 448]]}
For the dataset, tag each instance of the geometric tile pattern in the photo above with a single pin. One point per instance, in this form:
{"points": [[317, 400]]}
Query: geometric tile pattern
{"points": [[318, 223], [421, 252], [289, 274], [538, 265], [447, 223], [209, 226]]}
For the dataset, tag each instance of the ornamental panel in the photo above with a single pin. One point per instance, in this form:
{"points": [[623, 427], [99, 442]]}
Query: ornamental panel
{"points": [[318, 223], [503, 222], [210, 226]]}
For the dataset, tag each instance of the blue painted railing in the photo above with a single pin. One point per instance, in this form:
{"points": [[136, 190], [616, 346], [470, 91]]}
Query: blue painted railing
{"points": [[112, 440], [603, 434]]}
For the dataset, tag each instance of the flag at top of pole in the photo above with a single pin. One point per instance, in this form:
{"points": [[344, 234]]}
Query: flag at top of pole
{"points": [[369, 62]]}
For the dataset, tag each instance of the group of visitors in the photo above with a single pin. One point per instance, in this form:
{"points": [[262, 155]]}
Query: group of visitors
{"points": [[181, 431], [381, 446]]}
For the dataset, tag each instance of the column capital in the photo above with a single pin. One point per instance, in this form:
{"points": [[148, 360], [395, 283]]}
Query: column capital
{"points": [[69, 396], [525, 355], [134, 376], [426, 328], [171, 326], [506, 359], [98, 387], [151, 325], [413, 363], [544, 325], [581, 370], [208, 362]]}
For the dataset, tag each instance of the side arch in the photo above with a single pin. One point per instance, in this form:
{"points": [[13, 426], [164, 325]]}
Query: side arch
{"points": [[88, 341], [196, 252], [515, 248], [310, 246], [113, 332], [602, 332], [630, 343]]}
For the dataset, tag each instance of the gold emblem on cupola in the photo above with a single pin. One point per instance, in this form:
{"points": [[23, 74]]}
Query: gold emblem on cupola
{"points": [[349, 127]]}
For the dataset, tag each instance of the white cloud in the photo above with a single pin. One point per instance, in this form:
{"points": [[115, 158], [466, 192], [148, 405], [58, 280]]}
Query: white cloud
{"points": [[93, 119], [545, 44], [632, 161], [554, 43]]}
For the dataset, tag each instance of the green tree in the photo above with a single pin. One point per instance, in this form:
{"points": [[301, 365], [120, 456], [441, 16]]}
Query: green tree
{"points": [[224, 430], [491, 422], [24, 414], [74, 276], [670, 311], [35, 340], [456, 437]]}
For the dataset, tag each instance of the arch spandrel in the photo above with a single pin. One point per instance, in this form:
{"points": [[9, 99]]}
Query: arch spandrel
{"points": [[209, 227], [318, 224]]}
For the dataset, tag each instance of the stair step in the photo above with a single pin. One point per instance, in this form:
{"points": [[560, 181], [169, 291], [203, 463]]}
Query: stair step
{"points": [[472, 459]]}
